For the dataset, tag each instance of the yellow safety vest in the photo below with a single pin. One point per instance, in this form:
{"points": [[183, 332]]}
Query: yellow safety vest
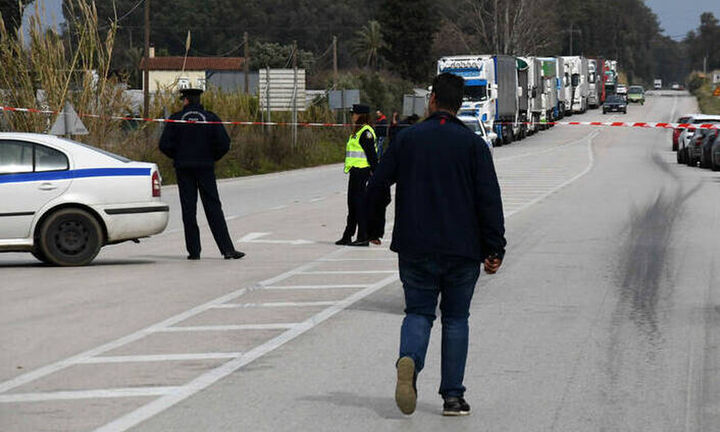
{"points": [[354, 154]]}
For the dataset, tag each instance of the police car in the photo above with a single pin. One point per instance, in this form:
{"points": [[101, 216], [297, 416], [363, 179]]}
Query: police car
{"points": [[476, 125], [62, 200]]}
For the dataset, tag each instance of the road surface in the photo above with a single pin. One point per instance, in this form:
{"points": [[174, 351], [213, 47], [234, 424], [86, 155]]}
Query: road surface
{"points": [[604, 317]]}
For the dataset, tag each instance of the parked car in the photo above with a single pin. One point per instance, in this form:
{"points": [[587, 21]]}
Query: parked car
{"points": [[615, 103], [676, 86], [677, 131], [704, 155], [477, 126], [636, 94], [621, 89], [62, 200], [715, 154], [687, 134]]}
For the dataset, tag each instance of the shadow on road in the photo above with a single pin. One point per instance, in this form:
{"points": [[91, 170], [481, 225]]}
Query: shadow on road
{"points": [[383, 406], [98, 263]]}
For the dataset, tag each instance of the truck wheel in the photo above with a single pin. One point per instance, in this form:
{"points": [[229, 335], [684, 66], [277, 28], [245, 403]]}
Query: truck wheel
{"points": [[509, 135], [713, 165], [70, 237]]}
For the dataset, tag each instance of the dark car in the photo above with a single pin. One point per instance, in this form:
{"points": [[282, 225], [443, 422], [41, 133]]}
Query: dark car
{"points": [[715, 154], [705, 150], [615, 103]]}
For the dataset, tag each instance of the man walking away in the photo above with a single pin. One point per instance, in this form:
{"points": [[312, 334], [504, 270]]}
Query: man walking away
{"points": [[194, 149], [448, 220]]}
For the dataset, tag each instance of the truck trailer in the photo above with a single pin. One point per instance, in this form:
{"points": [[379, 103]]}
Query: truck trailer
{"points": [[491, 91], [578, 69]]}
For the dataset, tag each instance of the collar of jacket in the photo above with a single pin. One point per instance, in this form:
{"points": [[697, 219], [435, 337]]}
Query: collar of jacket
{"points": [[444, 116], [354, 135], [193, 107]]}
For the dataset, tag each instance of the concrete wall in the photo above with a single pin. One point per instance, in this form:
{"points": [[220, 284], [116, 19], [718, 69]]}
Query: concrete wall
{"points": [[164, 80]]}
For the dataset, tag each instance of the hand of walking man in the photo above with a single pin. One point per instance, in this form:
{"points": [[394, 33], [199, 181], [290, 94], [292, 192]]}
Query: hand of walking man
{"points": [[492, 265]]}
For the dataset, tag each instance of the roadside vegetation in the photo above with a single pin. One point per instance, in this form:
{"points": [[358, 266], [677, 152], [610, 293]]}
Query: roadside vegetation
{"points": [[702, 88]]}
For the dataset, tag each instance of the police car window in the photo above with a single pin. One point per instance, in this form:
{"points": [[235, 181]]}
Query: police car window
{"points": [[47, 159], [101, 151], [15, 157]]}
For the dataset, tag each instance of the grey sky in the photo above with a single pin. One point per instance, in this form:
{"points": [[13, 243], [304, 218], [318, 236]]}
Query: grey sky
{"points": [[679, 17]]}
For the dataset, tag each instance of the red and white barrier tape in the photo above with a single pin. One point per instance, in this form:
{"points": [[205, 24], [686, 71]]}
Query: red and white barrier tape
{"points": [[645, 125]]}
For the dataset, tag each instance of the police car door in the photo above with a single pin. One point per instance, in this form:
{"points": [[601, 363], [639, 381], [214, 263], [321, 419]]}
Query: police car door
{"points": [[31, 175]]}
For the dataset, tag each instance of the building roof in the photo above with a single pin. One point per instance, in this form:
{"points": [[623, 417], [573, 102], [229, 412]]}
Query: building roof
{"points": [[194, 63]]}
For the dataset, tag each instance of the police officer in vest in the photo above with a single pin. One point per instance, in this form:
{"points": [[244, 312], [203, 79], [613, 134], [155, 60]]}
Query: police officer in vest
{"points": [[360, 161], [194, 149]]}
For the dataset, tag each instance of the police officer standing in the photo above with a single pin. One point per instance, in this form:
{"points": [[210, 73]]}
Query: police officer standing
{"points": [[360, 160], [194, 149]]}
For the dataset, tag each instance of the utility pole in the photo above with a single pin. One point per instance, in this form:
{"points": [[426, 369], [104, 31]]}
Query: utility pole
{"points": [[572, 32], [335, 70], [246, 63], [146, 72], [295, 92]]}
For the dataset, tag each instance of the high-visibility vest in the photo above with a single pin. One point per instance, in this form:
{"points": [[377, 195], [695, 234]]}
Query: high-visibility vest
{"points": [[354, 154]]}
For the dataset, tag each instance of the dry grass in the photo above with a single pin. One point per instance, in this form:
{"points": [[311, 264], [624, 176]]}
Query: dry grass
{"points": [[74, 67]]}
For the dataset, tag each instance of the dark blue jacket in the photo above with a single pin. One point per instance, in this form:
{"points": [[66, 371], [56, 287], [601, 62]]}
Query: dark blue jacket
{"points": [[447, 199], [194, 145]]}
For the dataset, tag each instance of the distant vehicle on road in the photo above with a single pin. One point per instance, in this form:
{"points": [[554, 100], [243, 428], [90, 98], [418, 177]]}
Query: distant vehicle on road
{"points": [[676, 86], [636, 94], [657, 85], [621, 89], [477, 126], [62, 200], [683, 154], [615, 103]]}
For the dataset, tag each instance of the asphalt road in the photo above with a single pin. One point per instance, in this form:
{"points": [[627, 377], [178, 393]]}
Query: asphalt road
{"points": [[604, 317]]}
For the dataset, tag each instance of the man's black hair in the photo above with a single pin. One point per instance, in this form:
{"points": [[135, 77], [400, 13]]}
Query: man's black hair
{"points": [[193, 99], [448, 90]]}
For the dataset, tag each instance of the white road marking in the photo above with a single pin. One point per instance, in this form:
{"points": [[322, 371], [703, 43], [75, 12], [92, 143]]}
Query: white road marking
{"points": [[317, 199], [278, 326], [88, 394], [587, 169], [275, 304], [160, 357], [290, 287], [62, 364], [255, 236], [359, 259], [348, 272], [161, 404]]}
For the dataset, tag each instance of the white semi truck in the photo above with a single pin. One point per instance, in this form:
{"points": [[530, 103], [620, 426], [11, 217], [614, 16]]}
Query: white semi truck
{"points": [[564, 93], [595, 83], [491, 91], [578, 69], [534, 91]]}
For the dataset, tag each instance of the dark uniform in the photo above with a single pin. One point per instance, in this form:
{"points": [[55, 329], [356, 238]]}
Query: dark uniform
{"points": [[195, 149], [361, 159]]}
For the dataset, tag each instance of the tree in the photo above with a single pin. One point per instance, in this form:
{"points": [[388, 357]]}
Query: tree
{"points": [[408, 28], [12, 11], [703, 44], [275, 55], [368, 43], [503, 26]]}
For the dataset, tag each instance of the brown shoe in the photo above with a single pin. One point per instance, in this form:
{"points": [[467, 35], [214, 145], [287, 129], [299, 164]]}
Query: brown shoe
{"points": [[405, 393]]}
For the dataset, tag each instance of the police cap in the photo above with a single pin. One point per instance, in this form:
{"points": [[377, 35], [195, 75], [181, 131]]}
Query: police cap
{"points": [[360, 109], [190, 92]]}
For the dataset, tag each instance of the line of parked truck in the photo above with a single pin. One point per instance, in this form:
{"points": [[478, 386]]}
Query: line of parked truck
{"points": [[517, 96]]}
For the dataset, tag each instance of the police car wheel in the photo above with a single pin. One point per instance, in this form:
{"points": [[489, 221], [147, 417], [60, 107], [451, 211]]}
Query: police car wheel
{"points": [[70, 237], [40, 257]]}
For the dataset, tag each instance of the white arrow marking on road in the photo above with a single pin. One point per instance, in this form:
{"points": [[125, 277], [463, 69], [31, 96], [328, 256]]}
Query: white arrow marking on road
{"points": [[253, 238]]}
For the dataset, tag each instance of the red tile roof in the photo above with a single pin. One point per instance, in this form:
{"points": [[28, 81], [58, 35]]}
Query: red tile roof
{"points": [[194, 63]]}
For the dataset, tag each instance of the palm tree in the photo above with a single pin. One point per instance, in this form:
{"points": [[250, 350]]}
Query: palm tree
{"points": [[367, 44]]}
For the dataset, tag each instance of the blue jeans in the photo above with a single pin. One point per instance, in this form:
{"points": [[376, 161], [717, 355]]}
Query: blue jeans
{"points": [[380, 145], [424, 278]]}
